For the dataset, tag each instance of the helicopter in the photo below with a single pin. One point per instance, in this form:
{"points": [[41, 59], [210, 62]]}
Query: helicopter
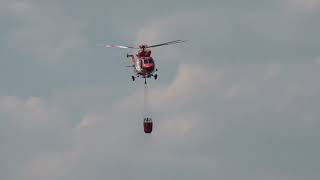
{"points": [[142, 63]]}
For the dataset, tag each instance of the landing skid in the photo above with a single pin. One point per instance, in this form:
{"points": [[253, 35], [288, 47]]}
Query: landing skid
{"points": [[155, 76]]}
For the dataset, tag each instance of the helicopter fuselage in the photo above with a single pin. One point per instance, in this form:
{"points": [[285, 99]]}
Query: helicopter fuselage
{"points": [[144, 66]]}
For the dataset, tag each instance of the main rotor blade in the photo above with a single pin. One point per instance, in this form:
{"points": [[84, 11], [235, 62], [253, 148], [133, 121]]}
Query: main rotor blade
{"points": [[116, 46], [167, 43]]}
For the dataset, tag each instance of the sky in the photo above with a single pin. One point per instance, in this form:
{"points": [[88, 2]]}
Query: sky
{"points": [[238, 101]]}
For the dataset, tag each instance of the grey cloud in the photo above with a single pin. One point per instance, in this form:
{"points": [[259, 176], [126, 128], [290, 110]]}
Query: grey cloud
{"points": [[238, 101], [244, 136], [29, 127]]}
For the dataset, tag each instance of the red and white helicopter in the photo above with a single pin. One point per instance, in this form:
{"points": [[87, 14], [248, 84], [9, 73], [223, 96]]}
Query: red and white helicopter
{"points": [[143, 63]]}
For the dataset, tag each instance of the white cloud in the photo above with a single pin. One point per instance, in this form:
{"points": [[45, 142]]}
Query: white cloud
{"points": [[16, 8], [192, 82], [211, 120], [44, 166], [172, 27], [306, 5], [33, 112], [199, 115], [273, 71], [84, 99], [168, 27], [317, 60], [45, 35], [21, 8]]}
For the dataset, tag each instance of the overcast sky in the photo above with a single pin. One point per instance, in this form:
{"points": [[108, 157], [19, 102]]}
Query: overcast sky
{"points": [[239, 101]]}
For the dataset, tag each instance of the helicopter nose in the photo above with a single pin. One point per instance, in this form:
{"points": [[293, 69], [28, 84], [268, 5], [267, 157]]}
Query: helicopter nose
{"points": [[149, 67]]}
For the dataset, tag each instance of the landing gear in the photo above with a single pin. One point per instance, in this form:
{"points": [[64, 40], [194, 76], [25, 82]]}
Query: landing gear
{"points": [[145, 81], [155, 77], [129, 55], [133, 78]]}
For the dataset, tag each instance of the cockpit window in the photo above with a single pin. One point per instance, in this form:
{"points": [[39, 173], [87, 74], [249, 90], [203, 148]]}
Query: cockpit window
{"points": [[147, 60]]}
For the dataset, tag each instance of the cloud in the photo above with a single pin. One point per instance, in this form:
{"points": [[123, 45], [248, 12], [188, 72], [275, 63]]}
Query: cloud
{"points": [[225, 35], [15, 8], [44, 36], [305, 5], [30, 113], [170, 27], [47, 166], [193, 113], [317, 60], [32, 126], [228, 104]]}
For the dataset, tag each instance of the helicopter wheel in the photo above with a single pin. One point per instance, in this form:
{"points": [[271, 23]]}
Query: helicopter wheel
{"points": [[133, 78], [155, 77]]}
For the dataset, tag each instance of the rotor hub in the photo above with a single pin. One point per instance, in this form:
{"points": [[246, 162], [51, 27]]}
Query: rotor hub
{"points": [[143, 46]]}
